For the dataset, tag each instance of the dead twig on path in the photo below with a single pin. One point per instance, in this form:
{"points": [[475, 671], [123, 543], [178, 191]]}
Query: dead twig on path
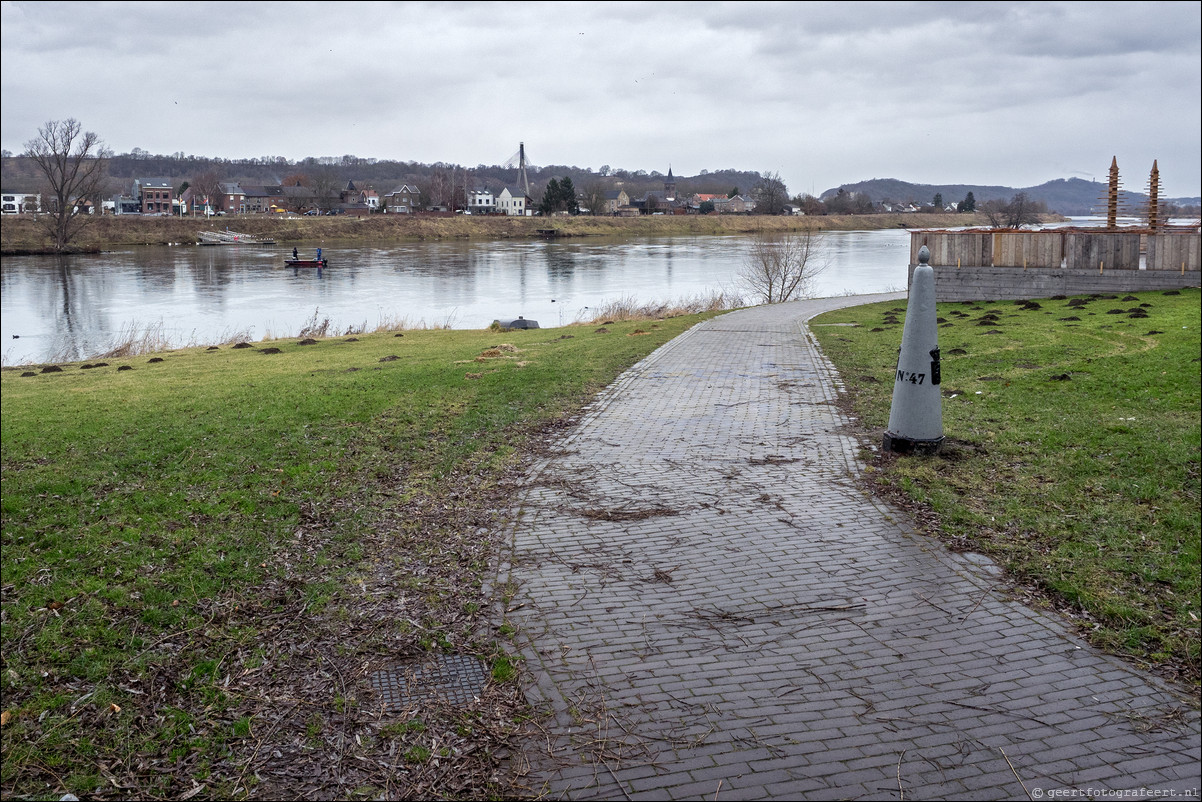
{"points": [[978, 604], [616, 780], [1020, 779], [1002, 712], [662, 575], [937, 607]]}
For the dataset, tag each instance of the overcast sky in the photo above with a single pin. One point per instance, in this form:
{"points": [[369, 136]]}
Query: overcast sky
{"points": [[823, 93]]}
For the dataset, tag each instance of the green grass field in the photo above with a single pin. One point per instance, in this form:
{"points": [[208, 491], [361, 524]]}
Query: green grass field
{"points": [[206, 553], [1072, 452], [202, 551]]}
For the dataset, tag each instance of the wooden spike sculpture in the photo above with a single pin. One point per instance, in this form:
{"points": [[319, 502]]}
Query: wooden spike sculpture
{"points": [[1112, 197], [1154, 197]]}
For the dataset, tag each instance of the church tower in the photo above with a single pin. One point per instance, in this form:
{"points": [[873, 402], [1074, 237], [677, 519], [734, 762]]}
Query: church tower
{"points": [[670, 186]]}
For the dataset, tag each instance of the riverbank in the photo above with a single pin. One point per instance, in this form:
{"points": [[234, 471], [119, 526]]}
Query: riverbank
{"points": [[23, 235], [205, 552]]}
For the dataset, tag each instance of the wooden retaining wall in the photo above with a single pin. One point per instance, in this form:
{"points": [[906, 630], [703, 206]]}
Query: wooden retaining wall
{"points": [[1075, 249], [1113, 250], [976, 265], [963, 248], [1027, 249], [1173, 252]]}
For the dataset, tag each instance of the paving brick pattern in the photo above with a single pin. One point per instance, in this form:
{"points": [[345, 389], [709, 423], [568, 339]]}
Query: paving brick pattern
{"points": [[713, 609]]}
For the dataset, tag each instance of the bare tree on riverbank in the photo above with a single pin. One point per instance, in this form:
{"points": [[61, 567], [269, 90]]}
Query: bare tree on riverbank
{"points": [[1020, 211], [74, 164], [782, 267], [770, 194], [207, 185]]}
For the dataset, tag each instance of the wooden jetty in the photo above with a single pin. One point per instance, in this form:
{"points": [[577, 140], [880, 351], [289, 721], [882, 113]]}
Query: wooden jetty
{"points": [[228, 237]]}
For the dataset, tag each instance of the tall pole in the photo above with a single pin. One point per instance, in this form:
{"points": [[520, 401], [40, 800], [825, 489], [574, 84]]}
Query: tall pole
{"points": [[522, 168], [1112, 197]]}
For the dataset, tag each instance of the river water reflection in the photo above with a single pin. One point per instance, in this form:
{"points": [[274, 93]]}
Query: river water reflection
{"points": [[76, 307]]}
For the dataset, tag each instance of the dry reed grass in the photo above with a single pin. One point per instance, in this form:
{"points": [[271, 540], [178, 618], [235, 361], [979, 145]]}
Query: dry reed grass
{"points": [[315, 326], [135, 340], [631, 309]]}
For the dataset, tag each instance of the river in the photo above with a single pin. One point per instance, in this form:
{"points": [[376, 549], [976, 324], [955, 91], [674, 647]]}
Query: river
{"points": [[58, 309]]}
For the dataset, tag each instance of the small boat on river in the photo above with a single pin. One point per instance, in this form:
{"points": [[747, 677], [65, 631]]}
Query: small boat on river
{"points": [[306, 262]]}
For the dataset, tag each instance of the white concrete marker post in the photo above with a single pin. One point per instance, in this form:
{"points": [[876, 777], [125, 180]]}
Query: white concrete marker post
{"points": [[916, 417]]}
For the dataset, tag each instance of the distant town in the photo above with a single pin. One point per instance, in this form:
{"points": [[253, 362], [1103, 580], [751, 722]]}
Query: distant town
{"points": [[139, 183], [158, 196], [301, 194]]}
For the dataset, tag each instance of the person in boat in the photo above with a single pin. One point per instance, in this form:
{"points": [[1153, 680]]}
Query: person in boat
{"points": [[295, 257], [319, 255]]}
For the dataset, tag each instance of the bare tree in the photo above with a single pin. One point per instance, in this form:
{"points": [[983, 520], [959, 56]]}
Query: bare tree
{"points": [[782, 267], [325, 188], [593, 198], [208, 186], [1020, 211], [459, 190], [770, 194], [994, 211], [440, 188], [810, 205], [74, 164], [843, 202]]}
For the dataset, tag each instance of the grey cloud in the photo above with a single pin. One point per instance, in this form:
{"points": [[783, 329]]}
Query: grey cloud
{"points": [[824, 92]]}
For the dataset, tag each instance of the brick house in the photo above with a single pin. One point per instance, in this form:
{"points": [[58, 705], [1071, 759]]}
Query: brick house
{"points": [[232, 199], [402, 200], [155, 195], [739, 204], [352, 195], [615, 199]]}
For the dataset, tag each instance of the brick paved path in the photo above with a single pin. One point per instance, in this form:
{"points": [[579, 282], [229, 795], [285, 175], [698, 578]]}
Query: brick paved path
{"points": [[714, 610]]}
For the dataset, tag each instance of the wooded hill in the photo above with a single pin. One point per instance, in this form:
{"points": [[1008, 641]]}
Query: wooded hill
{"points": [[1071, 196]]}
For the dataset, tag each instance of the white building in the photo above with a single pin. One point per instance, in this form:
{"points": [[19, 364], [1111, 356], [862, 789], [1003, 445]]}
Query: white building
{"points": [[514, 202], [21, 203], [481, 201]]}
